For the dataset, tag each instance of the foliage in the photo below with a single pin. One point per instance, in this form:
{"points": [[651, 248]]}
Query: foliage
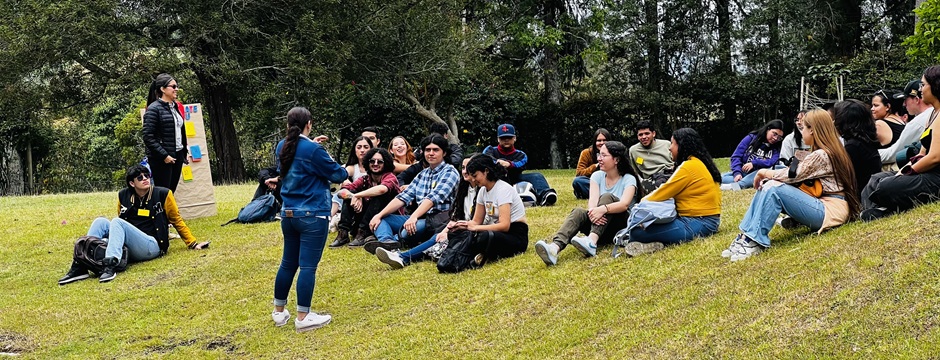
{"points": [[861, 290], [925, 42]]}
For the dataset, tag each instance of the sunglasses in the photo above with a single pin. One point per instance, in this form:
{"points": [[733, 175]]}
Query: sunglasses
{"points": [[376, 161], [142, 177], [175, 86]]}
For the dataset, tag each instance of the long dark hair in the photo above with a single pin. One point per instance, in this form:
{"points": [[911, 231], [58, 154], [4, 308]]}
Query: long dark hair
{"points": [[387, 165], [932, 75], [690, 144], [853, 120], [353, 159], [618, 151], [487, 163], [797, 135], [463, 189], [297, 119], [160, 81], [594, 149], [761, 133]]}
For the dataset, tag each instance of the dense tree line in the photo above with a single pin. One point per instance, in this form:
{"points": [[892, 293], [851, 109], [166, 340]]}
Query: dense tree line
{"points": [[75, 73]]}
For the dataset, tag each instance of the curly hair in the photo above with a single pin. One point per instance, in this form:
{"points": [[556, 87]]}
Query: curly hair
{"points": [[387, 164], [853, 120], [690, 144], [486, 163]]}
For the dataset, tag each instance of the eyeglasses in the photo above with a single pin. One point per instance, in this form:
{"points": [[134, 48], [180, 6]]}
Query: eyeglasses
{"points": [[776, 136], [142, 177], [376, 161]]}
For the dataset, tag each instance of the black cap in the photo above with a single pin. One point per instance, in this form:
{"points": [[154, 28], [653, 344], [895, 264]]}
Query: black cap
{"points": [[912, 89]]}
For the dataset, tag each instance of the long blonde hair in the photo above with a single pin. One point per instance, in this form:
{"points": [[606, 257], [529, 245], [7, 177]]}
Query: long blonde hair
{"points": [[826, 138]]}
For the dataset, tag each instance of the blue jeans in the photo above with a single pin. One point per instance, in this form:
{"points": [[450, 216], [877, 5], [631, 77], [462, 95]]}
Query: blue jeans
{"points": [[769, 202], [746, 182], [539, 184], [417, 253], [582, 187], [120, 233], [393, 224], [304, 239], [683, 229]]}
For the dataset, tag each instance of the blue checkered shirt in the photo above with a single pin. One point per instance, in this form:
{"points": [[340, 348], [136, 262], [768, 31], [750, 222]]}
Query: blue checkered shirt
{"points": [[438, 185]]}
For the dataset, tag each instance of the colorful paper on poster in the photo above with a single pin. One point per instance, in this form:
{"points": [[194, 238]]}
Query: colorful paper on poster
{"points": [[190, 128], [196, 152], [187, 173]]}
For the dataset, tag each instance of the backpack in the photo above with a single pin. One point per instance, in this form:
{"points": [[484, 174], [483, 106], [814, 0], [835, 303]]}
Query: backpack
{"points": [[90, 251], [526, 193], [462, 247], [644, 214], [260, 209]]}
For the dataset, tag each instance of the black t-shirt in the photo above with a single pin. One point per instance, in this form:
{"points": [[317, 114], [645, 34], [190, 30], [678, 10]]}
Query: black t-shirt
{"points": [[865, 161]]}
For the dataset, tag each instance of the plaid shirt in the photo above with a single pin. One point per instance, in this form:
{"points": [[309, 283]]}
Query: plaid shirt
{"points": [[438, 185]]}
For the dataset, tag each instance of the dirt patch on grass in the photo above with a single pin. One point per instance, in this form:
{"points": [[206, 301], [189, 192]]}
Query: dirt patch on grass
{"points": [[169, 346], [13, 343], [223, 344]]}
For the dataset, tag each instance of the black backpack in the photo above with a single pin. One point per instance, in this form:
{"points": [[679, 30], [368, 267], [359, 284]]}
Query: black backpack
{"points": [[90, 251], [261, 209], [462, 247]]}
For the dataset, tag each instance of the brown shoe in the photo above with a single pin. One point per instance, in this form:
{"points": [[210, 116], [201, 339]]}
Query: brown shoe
{"points": [[360, 239], [342, 238]]}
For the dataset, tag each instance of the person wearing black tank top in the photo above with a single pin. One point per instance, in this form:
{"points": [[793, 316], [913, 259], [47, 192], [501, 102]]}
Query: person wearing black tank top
{"points": [[917, 182]]}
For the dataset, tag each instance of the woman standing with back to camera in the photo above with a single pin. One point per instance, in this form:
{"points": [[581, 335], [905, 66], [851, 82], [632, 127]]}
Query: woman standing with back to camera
{"points": [[164, 132], [306, 173]]}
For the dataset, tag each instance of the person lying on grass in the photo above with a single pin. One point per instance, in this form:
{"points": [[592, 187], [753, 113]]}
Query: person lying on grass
{"points": [[694, 187], [144, 214], [464, 206], [499, 221], [828, 164], [612, 192]]}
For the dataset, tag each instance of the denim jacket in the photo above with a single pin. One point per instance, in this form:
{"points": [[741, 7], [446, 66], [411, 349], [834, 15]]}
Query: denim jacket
{"points": [[305, 188]]}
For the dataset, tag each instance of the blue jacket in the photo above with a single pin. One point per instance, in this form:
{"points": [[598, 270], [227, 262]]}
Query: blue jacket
{"points": [[762, 156], [305, 188]]}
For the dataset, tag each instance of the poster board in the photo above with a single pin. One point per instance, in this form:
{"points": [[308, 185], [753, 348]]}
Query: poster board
{"points": [[195, 195]]}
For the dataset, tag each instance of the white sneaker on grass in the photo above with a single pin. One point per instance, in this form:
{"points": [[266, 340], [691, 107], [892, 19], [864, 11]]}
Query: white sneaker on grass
{"points": [[731, 248], [547, 252], [583, 244], [746, 249], [280, 318], [635, 248], [732, 186], [311, 321], [392, 258]]}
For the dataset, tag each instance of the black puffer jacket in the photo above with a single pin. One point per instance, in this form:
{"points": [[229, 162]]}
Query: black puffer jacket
{"points": [[159, 133]]}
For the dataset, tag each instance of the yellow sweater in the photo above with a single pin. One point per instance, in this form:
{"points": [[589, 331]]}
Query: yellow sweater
{"points": [[693, 188]]}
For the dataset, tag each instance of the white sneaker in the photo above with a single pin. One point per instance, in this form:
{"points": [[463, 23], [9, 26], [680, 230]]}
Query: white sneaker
{"points": [[392, 258], [280, 318], [547, 252], [732, 186], [731, 248], [583, 244], [746, 249], [312, 321], [635, 248]]}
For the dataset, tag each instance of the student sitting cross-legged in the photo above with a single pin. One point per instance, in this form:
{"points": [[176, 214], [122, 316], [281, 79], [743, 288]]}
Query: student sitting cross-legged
{"points": [[694, 188], [613, 189], [828, 164]]}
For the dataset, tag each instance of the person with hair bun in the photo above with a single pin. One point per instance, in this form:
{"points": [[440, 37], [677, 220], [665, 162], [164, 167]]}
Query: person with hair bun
{"points": [[890, 116], [918, 182], [614, 187], [694, 189], [760, 149], [828, 164], [306, 173], [164, 132]]}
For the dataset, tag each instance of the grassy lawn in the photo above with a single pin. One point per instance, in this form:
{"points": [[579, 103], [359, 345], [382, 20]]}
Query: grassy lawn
{"points": [[860, 291]]}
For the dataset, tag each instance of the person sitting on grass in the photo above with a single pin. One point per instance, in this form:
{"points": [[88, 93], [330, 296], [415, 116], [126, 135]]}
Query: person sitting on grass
{"points": [[144, 214], [650, 157], [402, 154], [918, 182], [694, 188], [514, 160], [792, 144], [613, 190], [499, 221], [587, 164], [365, 197], [758, 150], [827, 164], [356, 168], [433, 192]]}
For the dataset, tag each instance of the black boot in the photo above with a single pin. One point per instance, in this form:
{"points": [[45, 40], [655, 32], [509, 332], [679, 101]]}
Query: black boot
{"points": [[342, 238]]}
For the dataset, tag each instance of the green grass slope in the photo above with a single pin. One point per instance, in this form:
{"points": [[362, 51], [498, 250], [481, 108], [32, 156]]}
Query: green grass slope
{"points": [[860, 291]]}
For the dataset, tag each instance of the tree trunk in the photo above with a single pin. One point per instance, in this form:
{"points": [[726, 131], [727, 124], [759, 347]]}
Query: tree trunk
{"points": [[846, 31], [11, 171], [429, 112], [228, 158], [551, 79], [725, 71], [653, 64]]}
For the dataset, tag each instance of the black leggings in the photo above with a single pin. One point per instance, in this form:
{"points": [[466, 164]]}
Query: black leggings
{"points": [[497, 244], [166, 175]]}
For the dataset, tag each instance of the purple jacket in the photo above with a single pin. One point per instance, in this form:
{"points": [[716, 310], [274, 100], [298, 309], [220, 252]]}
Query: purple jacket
{"points": [[762, 156]]}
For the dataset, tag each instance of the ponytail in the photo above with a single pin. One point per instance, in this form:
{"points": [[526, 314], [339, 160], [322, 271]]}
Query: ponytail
{"points": [[297, 120]]}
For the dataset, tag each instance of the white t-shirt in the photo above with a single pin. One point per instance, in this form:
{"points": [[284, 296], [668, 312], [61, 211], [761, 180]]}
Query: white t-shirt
{"points": [[468, 203], [502, 193], [599, 177]]}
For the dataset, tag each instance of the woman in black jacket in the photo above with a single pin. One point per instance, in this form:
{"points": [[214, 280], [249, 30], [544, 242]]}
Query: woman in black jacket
{"points": [[164, 132]]}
